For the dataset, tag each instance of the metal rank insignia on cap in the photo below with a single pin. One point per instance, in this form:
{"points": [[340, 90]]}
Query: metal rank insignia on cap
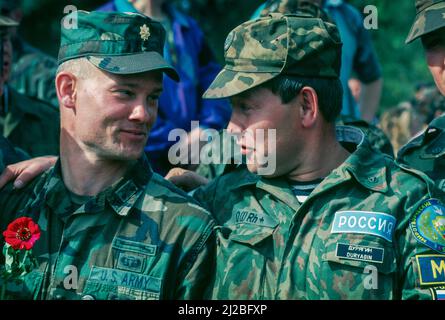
{"points": [[145, 32], [428, 225]]}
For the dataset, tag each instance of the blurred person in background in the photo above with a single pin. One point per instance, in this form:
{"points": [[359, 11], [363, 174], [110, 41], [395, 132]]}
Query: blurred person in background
{"points": [[33, 71], [401, 123], [28, 123], [355, 86]]}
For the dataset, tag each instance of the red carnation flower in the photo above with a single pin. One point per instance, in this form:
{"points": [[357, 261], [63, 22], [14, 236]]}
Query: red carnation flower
{"points": [[22, 233]]}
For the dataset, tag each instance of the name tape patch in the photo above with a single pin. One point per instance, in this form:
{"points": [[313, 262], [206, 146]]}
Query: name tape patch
{"points": [[360, 253], [431, 269], [255, 218], [127, 279], [364, 222]]}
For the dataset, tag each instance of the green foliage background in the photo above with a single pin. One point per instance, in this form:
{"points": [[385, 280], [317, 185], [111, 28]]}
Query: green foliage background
{"points": [[403, 65]]}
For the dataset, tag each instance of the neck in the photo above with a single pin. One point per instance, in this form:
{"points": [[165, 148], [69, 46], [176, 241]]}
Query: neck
{"points": [[85, 174], [322, 155], [152, 9]]}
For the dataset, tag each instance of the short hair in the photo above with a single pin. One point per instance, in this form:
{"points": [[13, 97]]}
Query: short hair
{"points": [[80, 67], [329, 92]]}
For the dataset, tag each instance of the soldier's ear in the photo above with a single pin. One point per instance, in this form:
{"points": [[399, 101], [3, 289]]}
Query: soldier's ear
{"points": [[66, 89], [308, 106]]}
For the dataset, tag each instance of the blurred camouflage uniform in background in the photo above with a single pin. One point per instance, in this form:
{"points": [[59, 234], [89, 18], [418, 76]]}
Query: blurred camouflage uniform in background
{"points": [[427, 152], [27, 122], [9, 154], [33, 71], [366, 214]]}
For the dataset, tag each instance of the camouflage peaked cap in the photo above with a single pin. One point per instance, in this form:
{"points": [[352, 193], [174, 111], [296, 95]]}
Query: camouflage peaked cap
{"points": [[120, 43], [430, 16], [292, 44]]}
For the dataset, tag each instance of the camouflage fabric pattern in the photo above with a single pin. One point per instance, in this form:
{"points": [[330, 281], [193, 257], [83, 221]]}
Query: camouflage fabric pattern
{"points": [[430, 16], [30, 124], [259, 50], [271, 247], [33, 74], [33, 71], [375, 136], [313, 7], [122, 43], [226, 143], [9, 154], [142, 238], [426, 152]]}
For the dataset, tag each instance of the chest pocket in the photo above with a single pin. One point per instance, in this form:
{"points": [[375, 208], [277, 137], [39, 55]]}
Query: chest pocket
{"points": [[242, 253], [250, 236], [358, 267], [132, 276], [29, 288], [244, 241]]}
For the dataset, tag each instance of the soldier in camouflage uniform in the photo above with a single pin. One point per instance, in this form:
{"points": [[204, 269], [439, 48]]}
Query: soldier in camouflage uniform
{"points": [[376, 137], [8, 154], [127, 232], [427, 151], [33, 71], [29, 124], [334, 211]]}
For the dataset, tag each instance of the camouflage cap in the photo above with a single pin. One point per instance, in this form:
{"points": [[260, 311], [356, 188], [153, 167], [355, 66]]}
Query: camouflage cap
{"points": [[292, 44], [120, 43], [430, 16]]}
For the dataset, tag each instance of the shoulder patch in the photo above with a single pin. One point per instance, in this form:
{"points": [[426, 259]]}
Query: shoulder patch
{"points": [[364, 222], [431, 268], [438, 293], [428, 224]]}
